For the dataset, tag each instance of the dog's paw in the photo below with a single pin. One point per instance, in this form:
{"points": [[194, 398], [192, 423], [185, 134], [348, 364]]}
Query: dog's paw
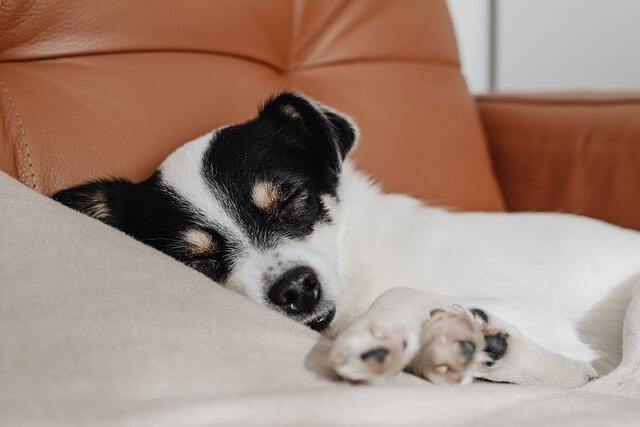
{"points": [[451, 342], [373, 352], [569, 373], [583, 374]]}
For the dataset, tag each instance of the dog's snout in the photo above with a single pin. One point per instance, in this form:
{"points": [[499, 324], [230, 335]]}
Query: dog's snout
{"points": [[297, 291]]}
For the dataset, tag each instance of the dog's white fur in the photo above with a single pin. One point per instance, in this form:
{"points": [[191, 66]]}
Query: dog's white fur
{"points": [[565, 263], [182, 172], [564, 281], [560, 283]]}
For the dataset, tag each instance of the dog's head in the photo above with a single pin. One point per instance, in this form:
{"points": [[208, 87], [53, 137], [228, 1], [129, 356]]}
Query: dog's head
{"points": [[252, 206]]}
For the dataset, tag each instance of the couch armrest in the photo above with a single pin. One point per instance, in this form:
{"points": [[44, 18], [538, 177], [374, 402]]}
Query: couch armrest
{"points": [[577, 153]]}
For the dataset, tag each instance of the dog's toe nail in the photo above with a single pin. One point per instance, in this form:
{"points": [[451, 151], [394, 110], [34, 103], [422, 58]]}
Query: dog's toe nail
{"points": [[377, 332], [436, 311], [441, 369]]}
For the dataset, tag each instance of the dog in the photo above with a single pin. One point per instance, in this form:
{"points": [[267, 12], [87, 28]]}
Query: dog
{"points": [[273, 209]]}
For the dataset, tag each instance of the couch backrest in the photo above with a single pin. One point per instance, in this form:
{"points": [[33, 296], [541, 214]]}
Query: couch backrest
{"points": [[90, 88]]}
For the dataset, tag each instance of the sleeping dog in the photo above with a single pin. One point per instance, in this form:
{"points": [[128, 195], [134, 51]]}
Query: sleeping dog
{"points": [[271, 208]]}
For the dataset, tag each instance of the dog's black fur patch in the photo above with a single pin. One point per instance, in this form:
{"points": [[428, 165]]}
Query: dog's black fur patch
{"points": [[302, 153], [496, 346], [293, 142], [153, 214], [480, 314]]}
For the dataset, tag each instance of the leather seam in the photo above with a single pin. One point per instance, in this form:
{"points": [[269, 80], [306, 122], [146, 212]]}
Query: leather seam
{"points": [[275, 67], [33, 184]]}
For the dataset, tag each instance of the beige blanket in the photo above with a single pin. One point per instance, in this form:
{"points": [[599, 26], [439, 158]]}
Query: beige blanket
{"points": [[97, 329]]}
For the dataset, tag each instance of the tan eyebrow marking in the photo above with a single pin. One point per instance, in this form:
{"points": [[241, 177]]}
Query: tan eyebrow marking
{"points": [[266, 196], [199, 242]]}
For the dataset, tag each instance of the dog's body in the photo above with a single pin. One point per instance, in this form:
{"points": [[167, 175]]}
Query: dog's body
{"points": [[563, 281], [271, 209]]}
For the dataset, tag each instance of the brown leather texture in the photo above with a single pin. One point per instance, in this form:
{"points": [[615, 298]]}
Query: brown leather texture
{"points": [[577, 153], [97, 88]]}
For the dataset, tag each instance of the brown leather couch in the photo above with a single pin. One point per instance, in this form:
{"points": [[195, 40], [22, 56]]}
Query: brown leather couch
{"points": [[93, 89], [97, 329]]}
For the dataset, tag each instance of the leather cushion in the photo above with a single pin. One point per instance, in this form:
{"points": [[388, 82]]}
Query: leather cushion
{"points": [[104, 89], [576, 153]]}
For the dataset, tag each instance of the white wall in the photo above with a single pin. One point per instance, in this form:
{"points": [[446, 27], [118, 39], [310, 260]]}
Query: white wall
{"points": [[471, 20], [546, 45]]}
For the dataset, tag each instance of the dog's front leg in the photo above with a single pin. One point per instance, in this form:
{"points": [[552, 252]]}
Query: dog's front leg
{"points": [[388, 336], [446, 340], [503, 354]]}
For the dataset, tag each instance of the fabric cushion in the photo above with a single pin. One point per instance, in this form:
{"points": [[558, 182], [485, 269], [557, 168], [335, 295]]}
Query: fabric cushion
{"points": [[95, 89], [97, 329]]}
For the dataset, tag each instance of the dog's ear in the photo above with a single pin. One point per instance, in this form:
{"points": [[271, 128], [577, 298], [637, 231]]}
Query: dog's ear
{"points": [[330, 134], [104, 200], [345, 130]]}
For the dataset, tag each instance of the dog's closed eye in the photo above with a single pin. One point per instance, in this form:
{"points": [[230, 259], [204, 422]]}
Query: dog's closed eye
{"points": [[293, 206], [202, 252], [208, 266]]}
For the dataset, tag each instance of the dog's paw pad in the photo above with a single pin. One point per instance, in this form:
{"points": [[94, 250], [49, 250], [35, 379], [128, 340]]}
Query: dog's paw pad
{"points": [[371, 354], [377, 359], [495, 347], [467, 349], [378, 355], [450, 343]]}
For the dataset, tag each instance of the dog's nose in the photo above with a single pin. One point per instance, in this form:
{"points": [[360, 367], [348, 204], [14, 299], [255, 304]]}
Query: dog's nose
{"points": [[297, 291]]}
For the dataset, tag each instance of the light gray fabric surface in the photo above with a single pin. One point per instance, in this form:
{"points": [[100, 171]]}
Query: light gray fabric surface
{"points": [[97, 329]]}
